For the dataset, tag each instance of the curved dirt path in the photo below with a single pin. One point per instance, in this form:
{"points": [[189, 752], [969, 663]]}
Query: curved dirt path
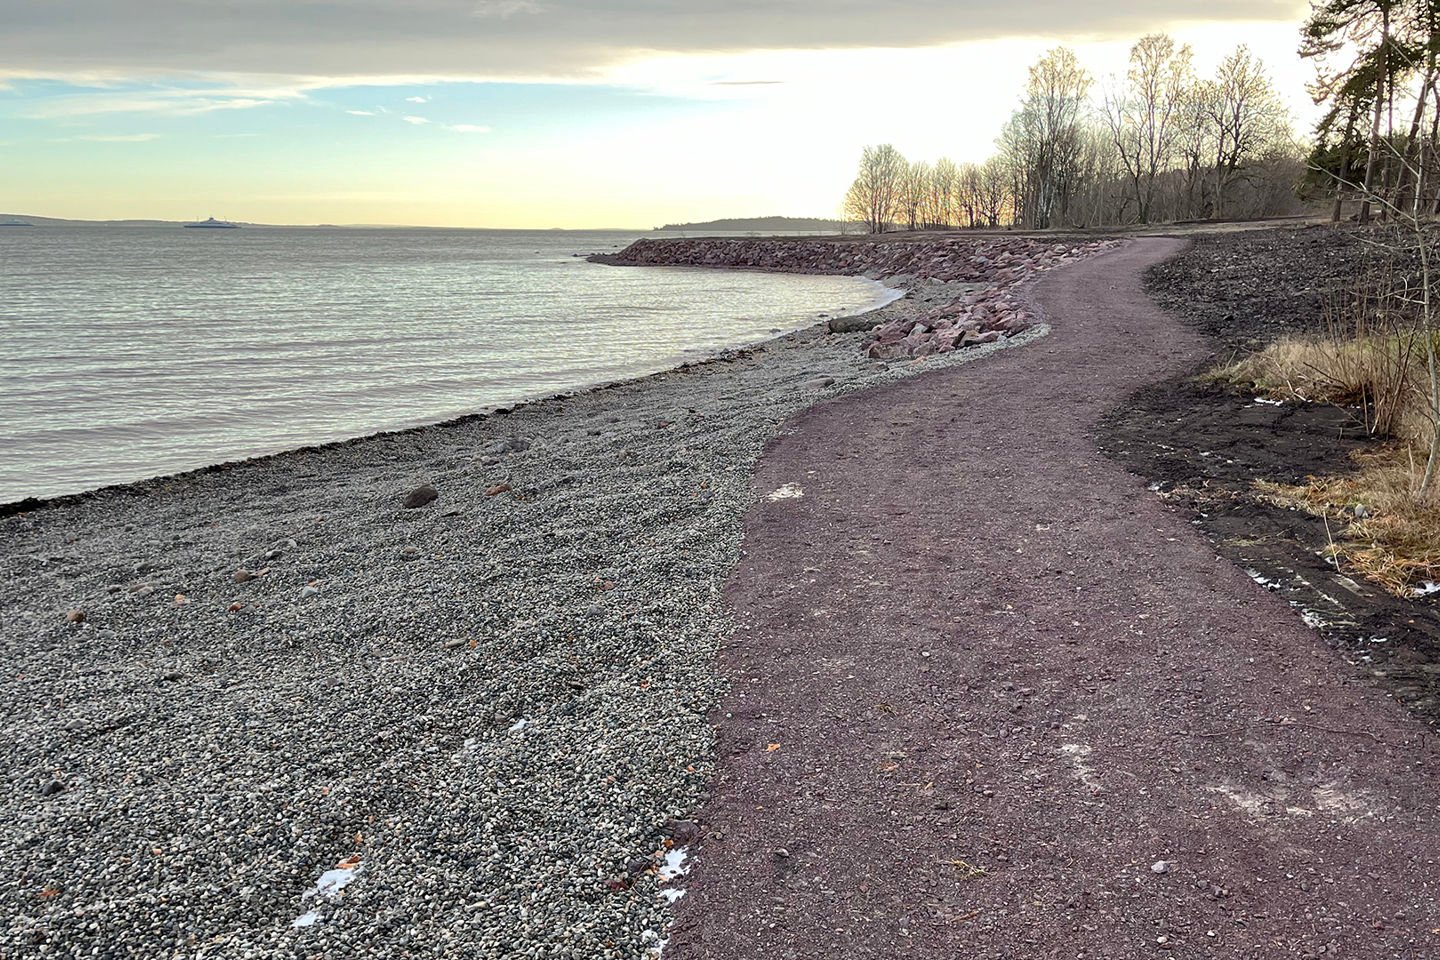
{"points": [[1006, 683]]}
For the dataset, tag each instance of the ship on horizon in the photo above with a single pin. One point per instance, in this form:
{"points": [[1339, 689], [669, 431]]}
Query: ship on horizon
{"points": [[212, 224]]}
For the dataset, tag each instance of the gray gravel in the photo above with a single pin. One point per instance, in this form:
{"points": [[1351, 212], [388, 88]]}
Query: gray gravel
{"points": [[188, 751]]}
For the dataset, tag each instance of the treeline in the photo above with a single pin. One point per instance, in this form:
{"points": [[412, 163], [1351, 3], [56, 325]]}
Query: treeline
{"points": [[1159, 143], [1376, 76]]}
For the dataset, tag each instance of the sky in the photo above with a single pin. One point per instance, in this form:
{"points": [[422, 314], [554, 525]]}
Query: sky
{"points": [[536, 113]]}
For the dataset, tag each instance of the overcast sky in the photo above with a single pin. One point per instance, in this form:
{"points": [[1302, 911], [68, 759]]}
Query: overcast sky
{"points": [[532, 112]]}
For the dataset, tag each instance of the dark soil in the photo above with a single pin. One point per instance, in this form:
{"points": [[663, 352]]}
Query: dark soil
{"points": [[1203, 446]]}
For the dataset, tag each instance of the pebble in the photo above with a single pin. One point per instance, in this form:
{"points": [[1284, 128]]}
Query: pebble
{"points": [[421, 496], [1159, 866]]}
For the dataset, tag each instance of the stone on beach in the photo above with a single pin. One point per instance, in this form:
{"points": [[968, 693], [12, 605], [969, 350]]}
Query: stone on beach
{"points": [[421, 496]]}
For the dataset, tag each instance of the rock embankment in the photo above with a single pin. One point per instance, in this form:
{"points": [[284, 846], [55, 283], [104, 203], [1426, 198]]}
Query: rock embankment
{"points": [[999, 265]]}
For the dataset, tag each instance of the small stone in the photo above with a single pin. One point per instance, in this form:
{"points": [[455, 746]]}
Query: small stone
{"points": [[170, 677], [409, 553], [421, 496], [1159, 866], [682, 833], [51, 787], [309, 590], [244, 576], [498, 489], [454, 643], [75, 616]]}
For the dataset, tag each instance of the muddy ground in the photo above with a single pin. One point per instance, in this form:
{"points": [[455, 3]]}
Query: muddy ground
{"points": [[1203, 446]]}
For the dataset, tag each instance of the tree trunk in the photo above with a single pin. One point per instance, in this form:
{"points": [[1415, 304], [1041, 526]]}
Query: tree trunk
{"points": [[1375, 123], [1414, 156]]}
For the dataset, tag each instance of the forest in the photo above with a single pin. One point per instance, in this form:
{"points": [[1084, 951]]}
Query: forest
{"points": [[1162, 143]]}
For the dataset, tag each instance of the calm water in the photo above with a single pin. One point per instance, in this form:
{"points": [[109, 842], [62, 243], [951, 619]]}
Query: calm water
{"points": [[128, 353]]}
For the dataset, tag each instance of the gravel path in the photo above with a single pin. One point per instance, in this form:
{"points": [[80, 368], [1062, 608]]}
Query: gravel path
{"points": [[455, 730], [990, 698]]}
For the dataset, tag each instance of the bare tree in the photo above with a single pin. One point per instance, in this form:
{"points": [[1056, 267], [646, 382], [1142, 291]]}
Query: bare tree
{"points": [[874, 197], [914, 192], [993, 198], [1143, 114], [944, 181], [1042, 140], [1246, 118]]}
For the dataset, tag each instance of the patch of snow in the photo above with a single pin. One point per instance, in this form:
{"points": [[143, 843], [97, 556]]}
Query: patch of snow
{"points": [[1261, 579], [1427, 588], [1270, 403], [1078, 753], [518, 725], [671, 895], [1313, 619], [328, 887], [791, 491], [674, 865]]}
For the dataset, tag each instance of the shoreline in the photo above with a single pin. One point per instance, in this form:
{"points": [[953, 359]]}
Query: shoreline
{"points": [[143, 485], [500, 697], [940, 272]]}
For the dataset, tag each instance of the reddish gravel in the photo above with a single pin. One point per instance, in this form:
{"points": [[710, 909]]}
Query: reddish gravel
{"points": [[1005, 681]]}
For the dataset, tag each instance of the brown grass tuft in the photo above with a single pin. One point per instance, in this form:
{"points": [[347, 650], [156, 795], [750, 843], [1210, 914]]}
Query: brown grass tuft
{"points": [[1394, 539]]}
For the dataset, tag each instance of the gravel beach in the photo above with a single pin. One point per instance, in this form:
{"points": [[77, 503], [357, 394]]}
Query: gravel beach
{"points": [[268, 710]]}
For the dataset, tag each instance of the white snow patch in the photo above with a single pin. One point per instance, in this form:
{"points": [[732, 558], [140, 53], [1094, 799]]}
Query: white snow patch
{"points": [[1261, 579], [1078, 753], [1427, 588], [1270, 403], [674, 865], [518, 725], [328, 887], [791, 491], [1313, 619]]}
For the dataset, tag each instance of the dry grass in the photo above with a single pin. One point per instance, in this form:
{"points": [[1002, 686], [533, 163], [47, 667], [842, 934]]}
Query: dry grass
{"points": [[1384, 375], [1394, 538]]}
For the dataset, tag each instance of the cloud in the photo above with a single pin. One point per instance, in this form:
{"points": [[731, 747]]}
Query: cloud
{"points": [[170, 100], [111, 138], [417, 99], [468, 128], [505, 8], [417, 121], [361, 113], [519, 39]]}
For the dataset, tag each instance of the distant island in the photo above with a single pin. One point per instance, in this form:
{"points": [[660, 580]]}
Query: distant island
{"points": [[766, 225], [11, 219]]}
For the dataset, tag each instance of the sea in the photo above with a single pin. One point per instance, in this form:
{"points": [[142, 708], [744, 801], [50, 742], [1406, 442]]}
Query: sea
{"points": [[129, 352]]}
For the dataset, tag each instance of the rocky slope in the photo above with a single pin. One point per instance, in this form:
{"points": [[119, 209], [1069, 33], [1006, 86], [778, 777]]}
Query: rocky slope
{"points": [[983, 275]]}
